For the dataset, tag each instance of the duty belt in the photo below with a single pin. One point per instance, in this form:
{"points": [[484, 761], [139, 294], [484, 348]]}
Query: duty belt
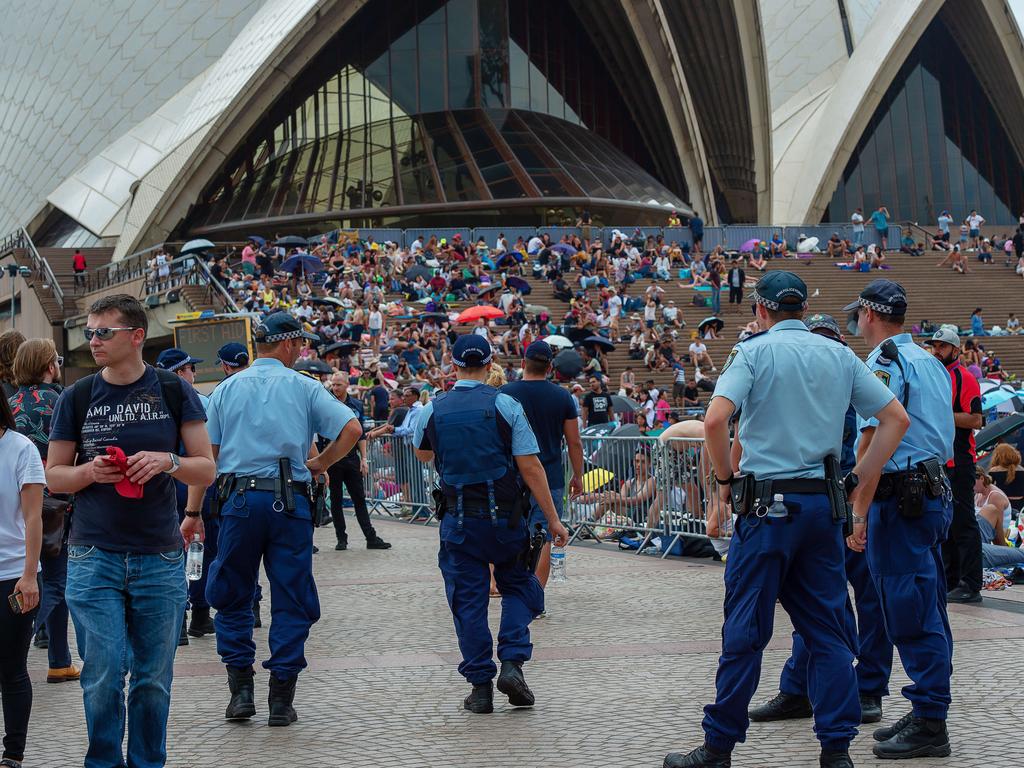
{"points": [[272, 484], [800, 485], [891, 483]]}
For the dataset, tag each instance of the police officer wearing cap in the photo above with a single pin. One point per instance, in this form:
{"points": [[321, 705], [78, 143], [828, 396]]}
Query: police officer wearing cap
{"points": [[874, 654], [262, 422], [233, 357], [484, 450], [179, 362], [792, 389], [961, 552], [908, 520]]}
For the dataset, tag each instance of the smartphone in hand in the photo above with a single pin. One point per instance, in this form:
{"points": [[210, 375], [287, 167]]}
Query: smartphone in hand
{"points": [[16, 603]]}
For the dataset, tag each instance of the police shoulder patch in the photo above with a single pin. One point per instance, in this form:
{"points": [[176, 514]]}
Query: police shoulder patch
{"points": [[883, 376], [728, 362], [753, 336]]}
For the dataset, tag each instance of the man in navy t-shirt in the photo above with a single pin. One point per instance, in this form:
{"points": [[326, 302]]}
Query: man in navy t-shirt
{"points": [[551, 412], [126, 575]]}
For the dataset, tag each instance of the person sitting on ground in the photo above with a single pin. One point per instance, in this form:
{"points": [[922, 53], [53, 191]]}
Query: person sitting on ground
{"points": [[877, 257], [959, 261], [909, 245], [992, 510], [631, 499], [1012, 325], [691, 395], [671, 316], [637, 345], [653, 359], [699, 355], [978, 323], [985, 251], [835, 247], [1007, 473], [777, 246]]}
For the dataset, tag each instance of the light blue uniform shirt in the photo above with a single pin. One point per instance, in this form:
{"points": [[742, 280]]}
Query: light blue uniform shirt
{"points": [[268, 412], [793, 388], [929, 403], [407, 429], [524, 442]]}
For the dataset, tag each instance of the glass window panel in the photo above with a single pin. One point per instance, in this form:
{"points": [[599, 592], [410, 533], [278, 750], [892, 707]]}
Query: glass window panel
{"points": [[493, 53], [403, 72], [430, 39], [458, 183], [519, 76], [501, 181]]}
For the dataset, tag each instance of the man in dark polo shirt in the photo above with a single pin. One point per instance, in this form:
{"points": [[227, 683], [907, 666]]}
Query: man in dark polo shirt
{"points": [[551, 412], [961, 551]]}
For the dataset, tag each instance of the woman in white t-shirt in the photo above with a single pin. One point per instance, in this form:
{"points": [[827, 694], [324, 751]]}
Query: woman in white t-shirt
{"points": [[21, 534]]}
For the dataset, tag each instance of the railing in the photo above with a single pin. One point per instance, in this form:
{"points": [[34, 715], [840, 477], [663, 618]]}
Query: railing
{"points": [[653, 496], [20, 238]]}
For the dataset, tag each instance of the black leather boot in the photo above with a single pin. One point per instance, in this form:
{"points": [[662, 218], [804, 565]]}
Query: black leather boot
{"points": [[884, 734], [701, 757], [242, 705], [870, 709], [920, 738], [282, 694], [785, 706], [835, 759], [512, 683], [201, 623], [480, 700]]}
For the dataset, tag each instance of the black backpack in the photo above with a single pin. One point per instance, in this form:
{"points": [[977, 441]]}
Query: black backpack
{"points": [[81, 397]]}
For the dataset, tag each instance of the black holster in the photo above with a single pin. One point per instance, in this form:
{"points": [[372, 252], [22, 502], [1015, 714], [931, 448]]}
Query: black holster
{"points": [[225, 484], [749, 493], [837, 499], [520, 508], [531, 555], [284, 490], [440, 503]]}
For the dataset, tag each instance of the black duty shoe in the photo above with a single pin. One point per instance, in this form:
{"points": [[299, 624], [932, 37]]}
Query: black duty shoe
{"points": [[701, 757], [201, 623], [480, 700], [785, 706], [835, 760], [512, 683], [257, 619], [282, 694], [870, 709], [884, 734], [183, 635], [42, 640], [316, 549], [341, 546], [377, 543], [919, 738], [242, 705], [962, 594]]}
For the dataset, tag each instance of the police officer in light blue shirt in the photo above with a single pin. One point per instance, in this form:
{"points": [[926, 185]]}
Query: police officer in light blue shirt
{"points": [[485, 451], [908, 520], [792, 389], [262, 422]]}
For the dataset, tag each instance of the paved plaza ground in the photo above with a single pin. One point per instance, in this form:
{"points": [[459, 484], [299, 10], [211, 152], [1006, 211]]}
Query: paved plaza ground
{"points": [[622, 666]]}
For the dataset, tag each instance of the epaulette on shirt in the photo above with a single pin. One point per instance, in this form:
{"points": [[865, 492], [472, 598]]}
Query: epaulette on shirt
{"points": [[752, 336]]}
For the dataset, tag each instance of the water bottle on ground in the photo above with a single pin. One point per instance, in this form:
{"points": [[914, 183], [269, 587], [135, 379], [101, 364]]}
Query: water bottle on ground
{"points": [[194, 560], [777, 509], [557, 565]]}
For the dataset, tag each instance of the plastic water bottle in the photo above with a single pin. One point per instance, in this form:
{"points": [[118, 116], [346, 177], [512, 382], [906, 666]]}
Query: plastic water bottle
{"points": [[557, 565], [194, 560], [777, 509]]}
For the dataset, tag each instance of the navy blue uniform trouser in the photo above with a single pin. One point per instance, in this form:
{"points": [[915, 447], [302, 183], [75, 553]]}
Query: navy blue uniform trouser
{"points": [[798, 561], [250, 529], [905, 560], [463, 559], [874, 652]]}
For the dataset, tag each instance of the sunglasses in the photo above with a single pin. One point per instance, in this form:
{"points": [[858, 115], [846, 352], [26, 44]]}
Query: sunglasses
{"points": [[105, 334], [59, 361]]}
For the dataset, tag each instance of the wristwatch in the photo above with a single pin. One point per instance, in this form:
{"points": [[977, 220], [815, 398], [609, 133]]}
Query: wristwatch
{"points": [[859, 520], [727, 481], [193, 513], [175, 464], [850, 482]]}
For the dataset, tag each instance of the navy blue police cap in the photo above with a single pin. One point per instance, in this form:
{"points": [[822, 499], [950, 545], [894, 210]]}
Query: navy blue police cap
{"points": [[233, 355], [280, 326], [540, 351], [884, 296], [780, 290], [823, 322], [471, 351], [172, 359]]}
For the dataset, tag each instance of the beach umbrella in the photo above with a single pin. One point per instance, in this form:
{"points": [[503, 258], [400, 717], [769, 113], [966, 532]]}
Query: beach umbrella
{"points": [[558, 342], [433, 316], [291, 241], [327, 300], [596, 478], [718, 324], [343, 348], [998, 397], [195, 246], [807, 245], [490, 289], [992, 433], [317, 367], [577, 334], [568, 363], [749, 245], [301, 263], [519, 284], [598, 341], [475, 313], [596, 430], [260, 241], [622, 404]]}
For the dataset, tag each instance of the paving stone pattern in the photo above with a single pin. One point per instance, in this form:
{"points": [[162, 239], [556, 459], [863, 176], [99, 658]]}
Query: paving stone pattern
{"points": [[622, 666]]}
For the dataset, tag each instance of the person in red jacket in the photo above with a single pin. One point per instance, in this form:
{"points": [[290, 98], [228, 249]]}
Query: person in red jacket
{"points": [[79, 266], [961, 551]]}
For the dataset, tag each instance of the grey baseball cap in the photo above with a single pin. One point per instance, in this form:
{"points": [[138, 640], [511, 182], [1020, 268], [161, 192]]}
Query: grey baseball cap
{"points": [[948, 335]]}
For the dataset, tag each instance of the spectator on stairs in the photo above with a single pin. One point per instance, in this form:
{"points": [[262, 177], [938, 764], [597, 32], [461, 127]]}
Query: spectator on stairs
{"points": [[880, 220], [978, 323]]}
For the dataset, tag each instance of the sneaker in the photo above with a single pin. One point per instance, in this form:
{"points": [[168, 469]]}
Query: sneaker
{"points": [[962, 594], [341, 546], [920, 738], [377, 543], [41, 640], [785, 706], [835, 760], [63, 674]]}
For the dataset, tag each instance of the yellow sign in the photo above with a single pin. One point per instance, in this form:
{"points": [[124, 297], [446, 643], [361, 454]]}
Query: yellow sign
{"points": [[202, 340], [181, 316]]}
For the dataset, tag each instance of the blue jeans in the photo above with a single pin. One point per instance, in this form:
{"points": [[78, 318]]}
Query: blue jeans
{"points": [[53, 611], [537, 515], [716, 299], [127, 610], [858, 237]]}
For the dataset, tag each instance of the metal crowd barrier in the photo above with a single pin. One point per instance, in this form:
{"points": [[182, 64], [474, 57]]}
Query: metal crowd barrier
{"points": [[636, 489]]}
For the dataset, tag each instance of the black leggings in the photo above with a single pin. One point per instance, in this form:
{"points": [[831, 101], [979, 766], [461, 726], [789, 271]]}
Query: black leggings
{"points": [[15, 686]]}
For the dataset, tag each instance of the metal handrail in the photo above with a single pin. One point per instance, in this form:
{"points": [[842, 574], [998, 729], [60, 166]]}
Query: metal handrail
{"points": [[214, 284], [20, 238]]}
